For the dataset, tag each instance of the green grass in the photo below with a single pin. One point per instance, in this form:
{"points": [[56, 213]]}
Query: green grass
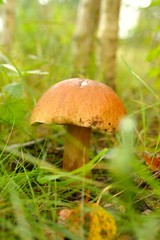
{"points": [[33, 191]]}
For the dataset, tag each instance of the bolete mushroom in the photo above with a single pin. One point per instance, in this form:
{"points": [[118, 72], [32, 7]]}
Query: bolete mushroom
{"points": [[80, 104]]}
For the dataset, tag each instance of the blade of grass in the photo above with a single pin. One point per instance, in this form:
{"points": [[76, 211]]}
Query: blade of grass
{"points": [[140, 79], [23, 228], [57, 173]]}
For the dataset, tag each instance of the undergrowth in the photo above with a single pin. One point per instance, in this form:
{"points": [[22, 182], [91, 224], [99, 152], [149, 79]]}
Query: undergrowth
{"points": [[33, 186]]}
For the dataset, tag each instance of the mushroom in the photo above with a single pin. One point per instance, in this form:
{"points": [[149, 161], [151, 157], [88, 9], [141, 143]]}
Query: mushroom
{"points": [[81, 104]]}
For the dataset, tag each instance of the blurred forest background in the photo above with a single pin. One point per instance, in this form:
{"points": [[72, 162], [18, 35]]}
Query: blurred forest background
{"points": [[37, 38], [42, 43]]}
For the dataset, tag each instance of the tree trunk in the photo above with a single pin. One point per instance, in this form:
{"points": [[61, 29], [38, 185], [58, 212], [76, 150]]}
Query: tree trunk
{"points": [[108, 40], [9, 24], [86, 26]]}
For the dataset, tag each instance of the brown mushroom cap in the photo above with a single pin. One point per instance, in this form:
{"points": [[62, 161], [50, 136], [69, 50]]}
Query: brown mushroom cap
{"points": [[81, 102]]}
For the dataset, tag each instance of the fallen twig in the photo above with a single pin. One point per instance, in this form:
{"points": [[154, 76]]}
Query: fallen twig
{"points": [[27, 144]]}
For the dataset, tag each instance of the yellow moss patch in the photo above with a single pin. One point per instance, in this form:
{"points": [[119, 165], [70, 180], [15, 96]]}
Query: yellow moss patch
{"points": [[92, 222]]}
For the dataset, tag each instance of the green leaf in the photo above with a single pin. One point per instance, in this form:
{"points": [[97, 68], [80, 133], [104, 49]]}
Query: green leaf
{"points": [[10, 67], [14, 90], [2, 1], [12, 111], [155, 3], [48, 178]]}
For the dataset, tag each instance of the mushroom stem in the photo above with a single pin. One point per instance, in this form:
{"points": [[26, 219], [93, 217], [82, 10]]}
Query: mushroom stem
{"points": [[76, 147]]}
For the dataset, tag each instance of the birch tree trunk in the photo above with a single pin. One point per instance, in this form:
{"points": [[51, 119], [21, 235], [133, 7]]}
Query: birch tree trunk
{"points": [[85, 29], [9, 24], [108, 40]]}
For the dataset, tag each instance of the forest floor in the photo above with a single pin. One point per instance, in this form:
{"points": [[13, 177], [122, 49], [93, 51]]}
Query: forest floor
{"points": [[120, 199]]}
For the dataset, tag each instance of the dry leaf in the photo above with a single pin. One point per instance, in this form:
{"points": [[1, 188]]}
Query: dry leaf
{"points": [[153, 161], [64, 214]]}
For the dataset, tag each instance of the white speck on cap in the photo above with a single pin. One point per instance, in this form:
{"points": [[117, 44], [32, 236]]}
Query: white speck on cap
{"points": [[83, 83]]}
